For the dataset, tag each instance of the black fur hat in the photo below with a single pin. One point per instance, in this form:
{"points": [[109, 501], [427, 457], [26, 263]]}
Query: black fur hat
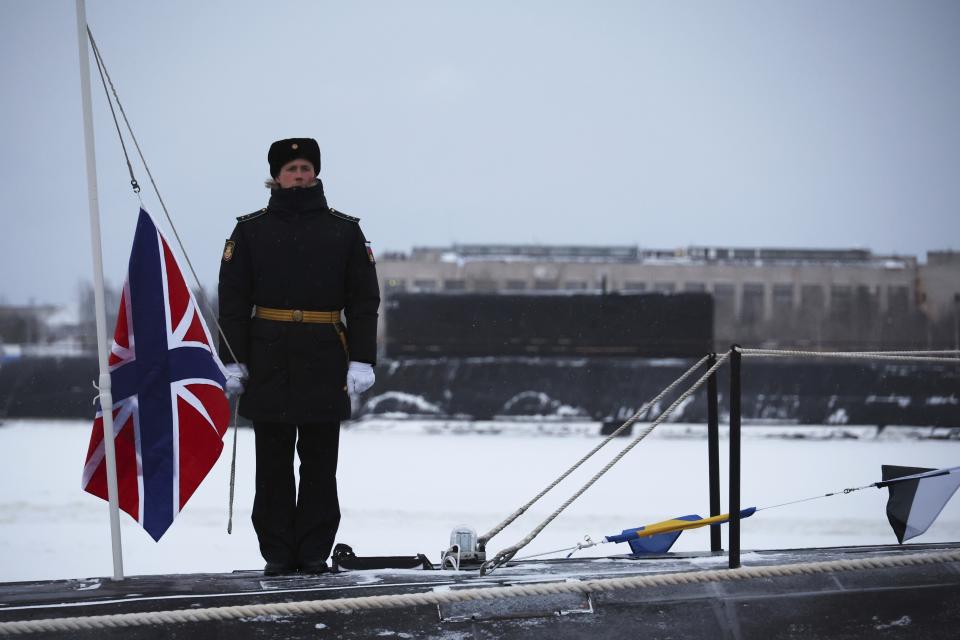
{"points": [[283, 151]]}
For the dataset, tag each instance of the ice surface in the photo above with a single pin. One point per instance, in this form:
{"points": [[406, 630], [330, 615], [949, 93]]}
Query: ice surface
{"points": [[403, 488]]}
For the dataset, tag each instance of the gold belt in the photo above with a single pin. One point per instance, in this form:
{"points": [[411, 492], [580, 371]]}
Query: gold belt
{"points": [[296, 315]]}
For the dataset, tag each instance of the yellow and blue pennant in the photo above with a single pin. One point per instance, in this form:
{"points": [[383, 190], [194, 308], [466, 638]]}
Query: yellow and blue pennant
{"points": [[660, 536]]}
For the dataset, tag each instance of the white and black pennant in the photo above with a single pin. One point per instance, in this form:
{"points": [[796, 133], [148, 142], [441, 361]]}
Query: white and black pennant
{"points": [[917, 496]]}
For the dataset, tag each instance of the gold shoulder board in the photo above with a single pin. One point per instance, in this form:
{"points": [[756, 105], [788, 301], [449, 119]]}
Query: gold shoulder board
{"points": [[251, 216], [343, 216]]}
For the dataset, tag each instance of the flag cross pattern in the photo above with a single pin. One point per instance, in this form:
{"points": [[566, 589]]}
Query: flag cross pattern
{"points": [[170, 411]]}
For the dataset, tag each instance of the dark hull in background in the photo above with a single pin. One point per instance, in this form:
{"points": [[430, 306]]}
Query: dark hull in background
{"points": [[591, 388], [611, 390], [48, 387], [651, 325]]}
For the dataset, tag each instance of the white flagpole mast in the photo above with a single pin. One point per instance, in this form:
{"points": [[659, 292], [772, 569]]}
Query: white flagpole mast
{"points": [[106, 396]]}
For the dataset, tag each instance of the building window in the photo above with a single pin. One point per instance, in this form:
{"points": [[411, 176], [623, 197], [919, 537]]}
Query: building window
{"points": [[841, 300], [575, 285], [635, 286], [664, 287], [425, 285], [695, 287], [724, 300], [898, 299], [812, 299], [865, 297], [455, 284], [751, 307], [545, 285], [783, 296], [484, 285], [515, 285]]}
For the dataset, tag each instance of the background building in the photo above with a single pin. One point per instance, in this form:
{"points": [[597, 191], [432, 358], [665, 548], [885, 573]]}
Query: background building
{"points": [[496, 331], [822, 298], [819, 298]]}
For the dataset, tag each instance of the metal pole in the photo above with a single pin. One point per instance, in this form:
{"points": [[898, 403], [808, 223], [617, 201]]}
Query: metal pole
{"points": [[956, 322], [734, 499], [713, 453], [106, 396]]}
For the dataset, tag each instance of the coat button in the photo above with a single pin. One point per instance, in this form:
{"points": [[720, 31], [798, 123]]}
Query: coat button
{"points": [[297, 315]]}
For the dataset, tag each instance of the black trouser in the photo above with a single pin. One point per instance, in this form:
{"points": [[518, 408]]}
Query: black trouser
{"points": [[293, 529]]}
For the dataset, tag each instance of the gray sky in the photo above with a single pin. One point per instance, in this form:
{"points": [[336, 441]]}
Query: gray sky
{"points": [[662, 124]]}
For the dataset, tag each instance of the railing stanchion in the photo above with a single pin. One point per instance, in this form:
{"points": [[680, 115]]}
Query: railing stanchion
{"points": [[734, 499], [713, 453]]}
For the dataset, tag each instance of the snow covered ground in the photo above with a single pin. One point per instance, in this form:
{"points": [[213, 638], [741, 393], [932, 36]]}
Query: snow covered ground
{"points": [[405, 485]]}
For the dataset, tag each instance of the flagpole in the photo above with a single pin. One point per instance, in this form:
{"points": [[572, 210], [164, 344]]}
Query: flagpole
{"points": [[106, 395]]}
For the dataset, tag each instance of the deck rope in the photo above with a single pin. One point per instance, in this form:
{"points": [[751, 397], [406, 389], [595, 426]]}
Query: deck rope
{"points": [[482, 540], [506, 554], [436, 598], [906, 356]]}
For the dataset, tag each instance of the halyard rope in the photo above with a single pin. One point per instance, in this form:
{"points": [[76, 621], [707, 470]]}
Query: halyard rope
{"points": [[436, 598], [123, 145], [505, 555], [202, 302], [102, 65], [482, 540], [909, 356]]}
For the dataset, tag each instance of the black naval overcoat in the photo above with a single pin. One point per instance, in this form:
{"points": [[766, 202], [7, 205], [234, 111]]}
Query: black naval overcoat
{"points": [[297, 254]]}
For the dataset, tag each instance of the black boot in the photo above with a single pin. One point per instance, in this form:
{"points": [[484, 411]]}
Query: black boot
{"points": [[315, 568], [278, 569]]}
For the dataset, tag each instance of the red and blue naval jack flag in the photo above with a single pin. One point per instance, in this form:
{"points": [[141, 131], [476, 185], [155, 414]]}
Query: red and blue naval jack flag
{"points": [[170, 412]]}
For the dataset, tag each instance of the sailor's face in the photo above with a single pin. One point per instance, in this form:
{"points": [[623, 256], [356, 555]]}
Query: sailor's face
{"points": [[296, 173]]}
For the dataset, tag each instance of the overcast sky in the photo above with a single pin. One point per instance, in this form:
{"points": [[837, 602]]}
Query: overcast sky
{"points": [[661, 124]]}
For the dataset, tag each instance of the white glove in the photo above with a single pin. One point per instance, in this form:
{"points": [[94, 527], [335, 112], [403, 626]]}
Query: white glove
{"points": [[359, 377], [236, 376]]}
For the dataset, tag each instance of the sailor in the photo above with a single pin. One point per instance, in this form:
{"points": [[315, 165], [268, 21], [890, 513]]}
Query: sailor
{"points": [[298, 307]]}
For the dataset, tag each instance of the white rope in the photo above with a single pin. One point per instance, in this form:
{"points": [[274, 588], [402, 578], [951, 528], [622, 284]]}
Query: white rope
{"points": [[852, 355], [505, 555], [435, 598], [921, 353], [203, 302], [482, 540]]}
